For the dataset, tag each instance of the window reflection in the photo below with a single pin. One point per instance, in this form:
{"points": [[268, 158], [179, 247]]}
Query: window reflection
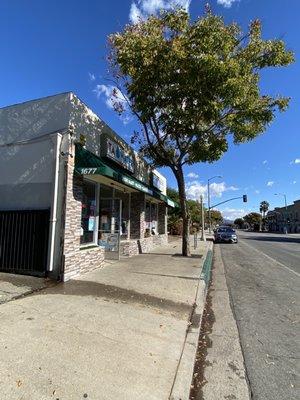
{"points": [[88, 212]]}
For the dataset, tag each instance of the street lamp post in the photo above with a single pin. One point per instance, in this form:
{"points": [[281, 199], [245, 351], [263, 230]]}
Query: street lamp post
{"points": [[202, 219], [208, 200], [285, 204]]}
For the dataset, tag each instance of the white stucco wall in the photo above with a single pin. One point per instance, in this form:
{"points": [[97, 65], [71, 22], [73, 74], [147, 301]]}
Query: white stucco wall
{"points": [[28, 166], [26, 150], [163, 181], [34, 118], [26, 176]]}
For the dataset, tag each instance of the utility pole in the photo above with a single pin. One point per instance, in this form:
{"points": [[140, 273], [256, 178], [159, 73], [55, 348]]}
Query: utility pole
{"points": [[208, 200], [202, 219]]}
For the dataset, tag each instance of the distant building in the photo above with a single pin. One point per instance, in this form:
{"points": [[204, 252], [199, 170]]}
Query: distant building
{"points": [[282, 217], [72, 192]]}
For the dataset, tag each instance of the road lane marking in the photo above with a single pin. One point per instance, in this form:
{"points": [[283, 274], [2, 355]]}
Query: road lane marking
{"points": [[270, 258]]}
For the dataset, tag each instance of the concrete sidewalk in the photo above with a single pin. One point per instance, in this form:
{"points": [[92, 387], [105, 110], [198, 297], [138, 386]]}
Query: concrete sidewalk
{"points": [[13, 286], [115, 333]]}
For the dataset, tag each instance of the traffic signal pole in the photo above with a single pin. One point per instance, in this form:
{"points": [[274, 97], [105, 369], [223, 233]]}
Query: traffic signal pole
{"points": [[244, 197]]}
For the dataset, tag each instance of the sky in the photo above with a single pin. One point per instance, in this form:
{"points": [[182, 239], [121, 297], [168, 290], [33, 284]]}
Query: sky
{"points": [[48, 47]]}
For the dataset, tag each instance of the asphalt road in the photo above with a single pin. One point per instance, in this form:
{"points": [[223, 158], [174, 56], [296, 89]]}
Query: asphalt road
{"points": [[263, 278]]}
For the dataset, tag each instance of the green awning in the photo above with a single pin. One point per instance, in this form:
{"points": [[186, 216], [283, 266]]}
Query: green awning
{"points": [[166, 199], [87, 163]]}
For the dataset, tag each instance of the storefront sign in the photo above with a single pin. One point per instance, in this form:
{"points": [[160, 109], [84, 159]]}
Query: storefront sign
{"points": [[171, 203], [91, 224], [116, 153], [136, 185], [110, 241], [88, 171]]}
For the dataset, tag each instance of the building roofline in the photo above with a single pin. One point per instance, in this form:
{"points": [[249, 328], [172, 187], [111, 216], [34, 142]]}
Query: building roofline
{"points": [[38, 98], [70, 92]]}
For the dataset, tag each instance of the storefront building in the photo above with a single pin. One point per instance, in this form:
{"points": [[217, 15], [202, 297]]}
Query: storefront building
{"points": [[284, 218], [103, 200]]}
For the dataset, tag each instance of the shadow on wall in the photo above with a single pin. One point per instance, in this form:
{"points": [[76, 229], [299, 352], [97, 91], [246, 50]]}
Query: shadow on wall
{"points": [[88, 124], [34, 118], [26, 177], [28, 167]]}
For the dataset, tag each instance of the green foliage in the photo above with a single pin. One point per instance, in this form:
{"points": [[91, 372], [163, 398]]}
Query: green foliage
{"points": [[215, 216], [263, 207], [194, 211], [253, 219], [239, 222], [191, 83], [174, 214], [173, 194]]}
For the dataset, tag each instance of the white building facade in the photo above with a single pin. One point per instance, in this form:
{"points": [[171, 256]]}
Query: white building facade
{"points": [[74, 189]]}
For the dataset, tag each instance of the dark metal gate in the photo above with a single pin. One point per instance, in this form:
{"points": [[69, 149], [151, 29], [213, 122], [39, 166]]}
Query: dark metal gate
{"points": [[24, 241]]}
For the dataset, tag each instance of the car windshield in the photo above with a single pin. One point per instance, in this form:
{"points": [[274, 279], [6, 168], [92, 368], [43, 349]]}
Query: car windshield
{"points": [[227, 230]]}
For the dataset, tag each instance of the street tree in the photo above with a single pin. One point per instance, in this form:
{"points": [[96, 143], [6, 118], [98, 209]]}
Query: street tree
{"points": [[191, 84], [174, 214], [175, 217], [239, 222], [264, 207], [254, 220], [215, 217]]}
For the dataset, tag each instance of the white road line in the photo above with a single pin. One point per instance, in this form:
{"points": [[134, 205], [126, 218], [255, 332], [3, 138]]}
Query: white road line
{"points": [[270, 258]]}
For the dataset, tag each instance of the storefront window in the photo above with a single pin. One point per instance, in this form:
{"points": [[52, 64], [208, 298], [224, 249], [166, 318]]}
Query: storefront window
{"points": [[154, 219], [148, 219], [114, 210], [88, 213], [151, 218], [124, 221]]}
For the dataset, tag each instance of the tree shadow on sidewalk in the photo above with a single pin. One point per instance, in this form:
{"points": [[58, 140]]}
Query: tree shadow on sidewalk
{"points": [[174, 255], [122, 295], [193, 278]]}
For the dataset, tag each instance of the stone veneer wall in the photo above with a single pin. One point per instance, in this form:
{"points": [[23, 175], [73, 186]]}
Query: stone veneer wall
{"points": [[141, 244], [162, 222], [76, 259], [147, 244], [131, 248], [137, 215]]}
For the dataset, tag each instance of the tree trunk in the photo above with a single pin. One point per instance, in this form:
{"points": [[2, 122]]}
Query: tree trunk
{"points": [[184, 212]]}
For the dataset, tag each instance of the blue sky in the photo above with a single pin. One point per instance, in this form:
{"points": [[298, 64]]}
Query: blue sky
{"points": [[54, 46]]}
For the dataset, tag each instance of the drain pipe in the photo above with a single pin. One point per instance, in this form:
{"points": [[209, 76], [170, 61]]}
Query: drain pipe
{"points": [[56, 138]]}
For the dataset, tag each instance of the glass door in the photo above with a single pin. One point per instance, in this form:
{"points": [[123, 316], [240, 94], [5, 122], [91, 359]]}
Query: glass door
{"points": [[109, 227]]}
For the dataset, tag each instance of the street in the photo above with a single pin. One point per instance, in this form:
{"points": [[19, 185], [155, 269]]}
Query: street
{"points": [[262, 273]]}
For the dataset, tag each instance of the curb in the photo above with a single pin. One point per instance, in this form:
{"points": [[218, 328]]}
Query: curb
{"points": [[184, 375]]}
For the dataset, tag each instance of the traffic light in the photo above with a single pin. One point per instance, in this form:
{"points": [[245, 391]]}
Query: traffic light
{"points": [[245, 198]]}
